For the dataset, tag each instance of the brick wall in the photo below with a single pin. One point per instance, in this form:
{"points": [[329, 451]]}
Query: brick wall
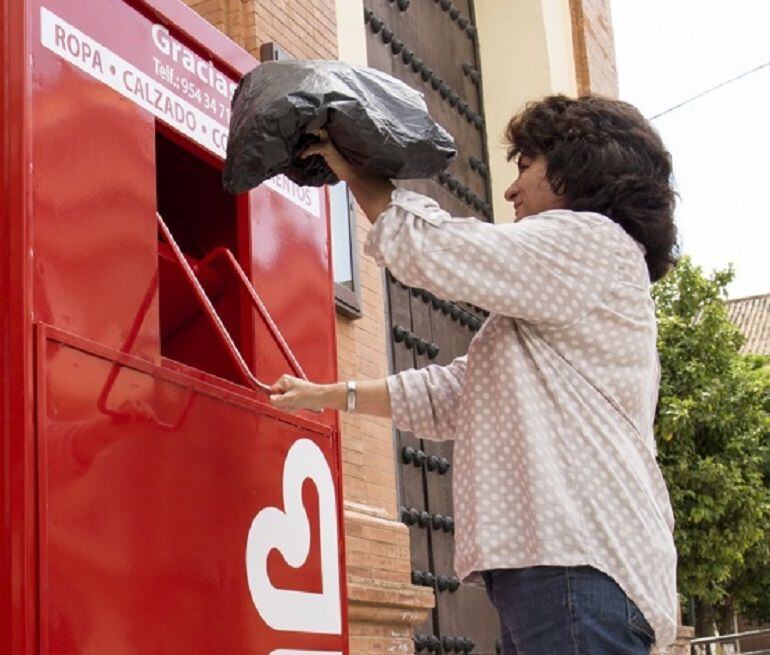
{"points": [[306, 29], [383, 606], [594, 47]]}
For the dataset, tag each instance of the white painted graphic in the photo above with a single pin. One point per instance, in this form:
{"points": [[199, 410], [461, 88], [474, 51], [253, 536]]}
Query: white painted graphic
{"points": [[285, 651], [165, 93], [203, 69], [288, 531]]}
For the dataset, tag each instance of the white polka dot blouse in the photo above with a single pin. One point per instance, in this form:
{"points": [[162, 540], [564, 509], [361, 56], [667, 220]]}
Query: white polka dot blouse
{"points": [[552, 408]]}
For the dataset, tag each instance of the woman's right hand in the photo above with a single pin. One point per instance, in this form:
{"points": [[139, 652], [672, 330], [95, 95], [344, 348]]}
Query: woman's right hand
{"points": [[371, 192], [324, 147]]}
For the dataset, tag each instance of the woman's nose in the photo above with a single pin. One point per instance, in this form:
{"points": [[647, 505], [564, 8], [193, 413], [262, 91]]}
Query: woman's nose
{"points": [[510, 192]]}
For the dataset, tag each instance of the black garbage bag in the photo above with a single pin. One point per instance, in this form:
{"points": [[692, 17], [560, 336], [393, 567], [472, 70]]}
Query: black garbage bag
{"points": [[376, 121]]}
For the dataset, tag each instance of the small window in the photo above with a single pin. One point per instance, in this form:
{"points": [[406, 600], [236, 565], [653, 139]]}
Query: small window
{"points": [[345, 251]]}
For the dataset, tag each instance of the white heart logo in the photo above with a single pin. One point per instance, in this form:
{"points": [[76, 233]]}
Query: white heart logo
{"points": [[288, 531]]}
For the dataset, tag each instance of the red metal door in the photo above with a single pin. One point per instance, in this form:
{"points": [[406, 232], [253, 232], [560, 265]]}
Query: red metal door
{"points": [[179, 516]]}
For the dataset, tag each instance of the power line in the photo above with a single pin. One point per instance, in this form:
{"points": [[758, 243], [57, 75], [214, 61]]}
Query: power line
{"points": [[713, 88]]}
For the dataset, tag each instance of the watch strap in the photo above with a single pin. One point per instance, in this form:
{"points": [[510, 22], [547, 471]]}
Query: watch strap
{"points": [[350, 385]]}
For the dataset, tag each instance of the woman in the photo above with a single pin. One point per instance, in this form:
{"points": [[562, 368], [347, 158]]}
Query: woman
{"points": [[560, 506]]}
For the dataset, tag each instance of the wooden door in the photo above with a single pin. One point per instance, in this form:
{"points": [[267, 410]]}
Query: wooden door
{"points": [[432, 47]]}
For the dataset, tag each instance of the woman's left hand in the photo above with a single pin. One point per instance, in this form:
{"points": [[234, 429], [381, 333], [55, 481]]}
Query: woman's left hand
{"points": [[290, 393]]}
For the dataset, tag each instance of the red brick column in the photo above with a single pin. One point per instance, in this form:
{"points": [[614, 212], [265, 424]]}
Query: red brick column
{"points": [[594, 47], [306, 29]]}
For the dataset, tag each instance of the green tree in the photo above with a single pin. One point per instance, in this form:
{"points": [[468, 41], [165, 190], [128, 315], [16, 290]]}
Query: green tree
{"points": [[712, 434], [750, 588]]}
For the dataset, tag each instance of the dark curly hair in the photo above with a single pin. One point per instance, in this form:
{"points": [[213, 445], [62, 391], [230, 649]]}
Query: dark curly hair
{"points": [[604, 157]]}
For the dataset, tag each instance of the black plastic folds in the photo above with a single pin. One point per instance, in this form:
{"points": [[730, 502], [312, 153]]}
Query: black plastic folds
{"points": [[376, 121]]}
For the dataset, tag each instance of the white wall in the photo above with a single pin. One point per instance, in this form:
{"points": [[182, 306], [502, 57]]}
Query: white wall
{"points": [[526, 53]]}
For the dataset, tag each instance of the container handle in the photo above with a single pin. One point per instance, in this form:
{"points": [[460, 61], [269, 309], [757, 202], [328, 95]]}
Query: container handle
{"points": [[216, 321]]}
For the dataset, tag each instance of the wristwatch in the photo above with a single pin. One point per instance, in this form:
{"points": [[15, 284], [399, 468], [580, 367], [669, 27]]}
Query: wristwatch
{"points": [[350, 385]]}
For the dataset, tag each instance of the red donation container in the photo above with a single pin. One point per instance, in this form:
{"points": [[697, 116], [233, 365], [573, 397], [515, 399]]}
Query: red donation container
{"points": [[152, 500]]}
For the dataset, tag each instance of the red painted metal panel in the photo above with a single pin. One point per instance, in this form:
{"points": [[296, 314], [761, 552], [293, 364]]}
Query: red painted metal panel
{"points": [[152, 502], [288, 265], [100, 105], [148, 497], [18, 566], [94, 191]]}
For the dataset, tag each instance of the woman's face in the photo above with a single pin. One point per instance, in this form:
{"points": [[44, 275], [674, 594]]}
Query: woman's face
{"points": [[531, 192]]}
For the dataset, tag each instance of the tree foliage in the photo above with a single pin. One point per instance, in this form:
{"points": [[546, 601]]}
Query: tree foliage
{"points": [[713, 435]]}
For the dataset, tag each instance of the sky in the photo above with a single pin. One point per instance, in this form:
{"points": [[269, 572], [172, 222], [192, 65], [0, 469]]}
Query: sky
{"points": [[670, 50]]}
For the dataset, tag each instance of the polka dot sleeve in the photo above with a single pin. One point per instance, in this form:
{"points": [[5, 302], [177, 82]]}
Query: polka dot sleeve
{"points": [[425, 401], [549, 268]]}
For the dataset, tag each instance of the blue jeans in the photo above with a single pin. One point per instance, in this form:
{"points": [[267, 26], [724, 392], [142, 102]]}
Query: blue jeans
{"points": [[557, 610]]}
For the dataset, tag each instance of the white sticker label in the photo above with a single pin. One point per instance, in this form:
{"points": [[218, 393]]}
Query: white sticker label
{"points": [[98, 61], [306, 197]]}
